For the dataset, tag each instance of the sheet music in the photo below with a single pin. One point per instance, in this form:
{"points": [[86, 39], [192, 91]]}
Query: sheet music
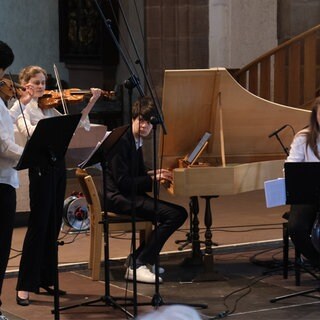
{"points": [[99, 143], [275, 192], [192, 157]]}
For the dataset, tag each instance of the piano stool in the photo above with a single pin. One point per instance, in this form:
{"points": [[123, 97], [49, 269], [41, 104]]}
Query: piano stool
{"points": [[116, 222]]}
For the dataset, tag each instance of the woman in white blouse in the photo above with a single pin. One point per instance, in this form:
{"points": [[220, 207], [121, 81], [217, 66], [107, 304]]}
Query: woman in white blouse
{"points": [[38, 262], [305, 148], [10, 153]]}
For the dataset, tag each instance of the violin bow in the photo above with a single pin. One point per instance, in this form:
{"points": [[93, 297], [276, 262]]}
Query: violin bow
{"points": [[14, 86], [64, 105]]}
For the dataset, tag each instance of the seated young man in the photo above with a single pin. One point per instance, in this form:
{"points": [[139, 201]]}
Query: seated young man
{"points": [[127, 185]]}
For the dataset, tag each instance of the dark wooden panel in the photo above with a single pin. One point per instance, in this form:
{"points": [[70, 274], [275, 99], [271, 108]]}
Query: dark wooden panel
{"points": [[294, 74], [265, 77], [280, 78], [310, 67], [253, 79]]}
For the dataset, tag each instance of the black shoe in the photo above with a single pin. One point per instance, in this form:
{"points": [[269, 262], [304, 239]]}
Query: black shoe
{"points": [[51, 291], [22, 302]]}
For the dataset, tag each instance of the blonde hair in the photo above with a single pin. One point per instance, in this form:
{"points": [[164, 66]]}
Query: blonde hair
{"points": [[29, 72]]}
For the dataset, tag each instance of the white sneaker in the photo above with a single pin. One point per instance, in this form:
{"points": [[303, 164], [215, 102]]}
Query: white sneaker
{"points": [[2, 317], [152, 268], [143, 274]]}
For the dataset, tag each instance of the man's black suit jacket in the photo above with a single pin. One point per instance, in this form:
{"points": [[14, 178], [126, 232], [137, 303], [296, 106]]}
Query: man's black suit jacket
{"points": [[127, 179]]}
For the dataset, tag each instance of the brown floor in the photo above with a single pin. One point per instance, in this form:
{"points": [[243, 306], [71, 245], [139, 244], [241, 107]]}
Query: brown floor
{"points": [[237, 219], [242, 223]]}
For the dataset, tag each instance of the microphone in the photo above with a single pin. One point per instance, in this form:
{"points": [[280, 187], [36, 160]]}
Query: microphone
{"points": [[277, 131], [154, 120]]}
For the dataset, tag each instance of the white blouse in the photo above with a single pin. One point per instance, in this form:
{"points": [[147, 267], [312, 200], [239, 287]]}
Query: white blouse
{"points": [[298, 150], [33, 114], [10, 152]]}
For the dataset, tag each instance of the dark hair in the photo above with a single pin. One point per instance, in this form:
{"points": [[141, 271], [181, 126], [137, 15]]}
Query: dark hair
{"points": [[6, 55], [143, 108], [312, 135]]}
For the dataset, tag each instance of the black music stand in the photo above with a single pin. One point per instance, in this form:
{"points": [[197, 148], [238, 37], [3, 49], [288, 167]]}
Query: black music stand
{"points": [[48, 145], [302, 181], [102, 153]]}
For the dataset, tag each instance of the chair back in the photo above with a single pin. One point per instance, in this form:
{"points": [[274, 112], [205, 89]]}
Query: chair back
{"points": [[89, 190], [116, 222]]}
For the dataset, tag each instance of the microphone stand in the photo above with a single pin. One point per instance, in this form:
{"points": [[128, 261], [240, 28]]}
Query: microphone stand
{"points": [[133, 82], [156, 299], [285, 149], [102, 155], [276, 134], [138, 61]]}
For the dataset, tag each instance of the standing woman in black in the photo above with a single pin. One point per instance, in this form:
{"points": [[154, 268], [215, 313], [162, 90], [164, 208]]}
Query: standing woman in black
{"points": [[38, 262]]}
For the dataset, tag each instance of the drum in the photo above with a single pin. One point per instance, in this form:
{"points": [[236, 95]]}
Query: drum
{"points": [[76, 213]]}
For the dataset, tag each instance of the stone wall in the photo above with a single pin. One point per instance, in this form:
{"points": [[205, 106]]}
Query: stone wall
{"points": [[31, 28], [241, 31], [176, 36]]}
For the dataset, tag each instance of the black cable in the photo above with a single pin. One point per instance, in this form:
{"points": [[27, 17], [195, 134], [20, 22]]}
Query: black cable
{"points": [[293, 131], [15, 256], [232, 310]]}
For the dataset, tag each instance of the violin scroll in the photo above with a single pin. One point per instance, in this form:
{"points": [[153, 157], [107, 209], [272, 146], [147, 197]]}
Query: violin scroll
{"points": [[10, 89]]}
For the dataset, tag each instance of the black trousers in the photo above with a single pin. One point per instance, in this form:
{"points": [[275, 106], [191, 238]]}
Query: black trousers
{"points": [[7, 212], [301, 220], [38, 260], [170, 217]]}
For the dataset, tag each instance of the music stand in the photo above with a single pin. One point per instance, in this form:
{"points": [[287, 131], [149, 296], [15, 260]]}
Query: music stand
{"points": [[102, 153], [48, 145], [302, 182]]}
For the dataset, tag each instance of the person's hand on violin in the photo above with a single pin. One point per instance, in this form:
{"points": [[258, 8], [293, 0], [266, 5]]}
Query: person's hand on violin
{"points": [[96, 93]]}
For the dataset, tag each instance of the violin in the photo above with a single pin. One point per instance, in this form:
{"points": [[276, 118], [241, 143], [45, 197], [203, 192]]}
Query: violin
{"points": [[52, 98], [10, 89]]}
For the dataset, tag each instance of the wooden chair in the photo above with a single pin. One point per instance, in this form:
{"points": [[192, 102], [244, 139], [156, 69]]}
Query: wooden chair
{"points": [[116, 222]]}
